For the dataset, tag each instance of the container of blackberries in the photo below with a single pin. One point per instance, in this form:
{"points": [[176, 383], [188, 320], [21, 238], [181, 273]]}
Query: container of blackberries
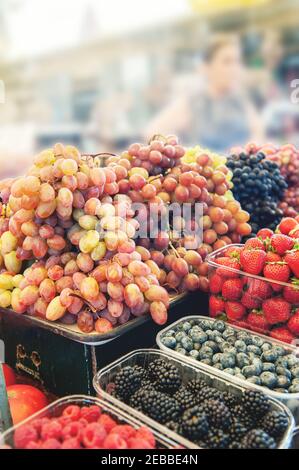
{"points": [[201, 408], [245, 357]]}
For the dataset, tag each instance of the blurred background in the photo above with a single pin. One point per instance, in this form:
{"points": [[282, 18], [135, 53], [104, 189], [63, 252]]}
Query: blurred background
{"points": [[102, 74]]}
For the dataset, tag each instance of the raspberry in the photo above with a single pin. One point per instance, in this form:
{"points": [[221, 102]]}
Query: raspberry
{"points": [[38, 424], [51, 430], [107, 422], [93, 435], [63, 420], [114, 441], [71, 443], [138, 443], [33, 445], [73, 412], [73, 429], [145, 433], [90, 413], [124, 430], [24, 435], [51, 444]]}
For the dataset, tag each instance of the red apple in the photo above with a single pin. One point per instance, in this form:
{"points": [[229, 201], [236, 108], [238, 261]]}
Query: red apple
{"points": [[9, 375], [24, 401]]}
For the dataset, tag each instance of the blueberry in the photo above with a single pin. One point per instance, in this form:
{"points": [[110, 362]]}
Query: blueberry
{"points": [[257, 341], [216, 358], [224, 345], [207, 361], [210, 334], [197, 346], [218, 366], [180, 350], [219, 340], [292, 360], [169, 342], [171, 333], [266, 347], [230, 350], [254, 379], [283, 381], [280, 390], [214, 346], [244, 337], [295, 372], [257, 363], [206, 353], [205, 324], [228, 332], [240, 376], [179, 336], [228, 360], [254, 349], [280, 351], [268, 367], [187, 343], [269, 356], [242, 360], [240, 346], [282, 362], [198, 336], [219, 325], [194, 354], [229, 371], [187, 326], [269, 379], [249, 371], [295, 381], [283, 371], [294, 388]]}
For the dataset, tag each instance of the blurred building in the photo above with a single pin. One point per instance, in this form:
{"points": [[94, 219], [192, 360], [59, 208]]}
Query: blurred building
{"points": [[102, 93]]}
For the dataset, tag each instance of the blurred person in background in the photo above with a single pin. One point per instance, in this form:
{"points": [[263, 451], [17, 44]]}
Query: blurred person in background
{"points": [[217, 114]]}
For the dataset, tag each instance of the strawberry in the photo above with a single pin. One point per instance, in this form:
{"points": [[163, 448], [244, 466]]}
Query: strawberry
{"points": [[282, 334], [293, 323], [233, 252], [264, 233], [232, 289], [276, 310], [216, 305], [254, 244], [286, 225], [258, 289], [292, 258], [252, 261], [240, 323], [234, 310], [295, 233], [257, 321], [216, 282], [277, 271], [291, 292], [271, 257], [229, 265], [282, 243], [249, 301]]}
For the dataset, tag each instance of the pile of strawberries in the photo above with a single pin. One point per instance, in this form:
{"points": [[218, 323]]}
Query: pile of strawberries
{"points": [[267, 301], [85, 427]]}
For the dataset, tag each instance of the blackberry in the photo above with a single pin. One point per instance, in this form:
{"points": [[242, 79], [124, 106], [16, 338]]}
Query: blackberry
{"points": [[242, 415], [154, 367], [138, 398], [256, 403], [194, 423], [196, 385], [237, 430], [128, 381], [258, 439], [275, 423], [208, 393], [185, 398], [175, 426], [166, 376], [218, 413], [216, 439], [235, 445], [229, 399], [160, 406]]}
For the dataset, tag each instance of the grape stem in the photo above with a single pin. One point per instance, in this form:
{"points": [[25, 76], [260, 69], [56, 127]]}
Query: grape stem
{"points": [[157, 137], [174, 249], [79, 296]]}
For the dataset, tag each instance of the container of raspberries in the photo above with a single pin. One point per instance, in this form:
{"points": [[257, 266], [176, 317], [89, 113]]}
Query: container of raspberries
{"points": [[203, 409], [256, 285], [82, 422], [236, 353]]}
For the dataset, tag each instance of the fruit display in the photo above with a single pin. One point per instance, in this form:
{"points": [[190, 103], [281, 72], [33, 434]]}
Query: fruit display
{"points": [[210, 417], [82, 427], [258, 185], [233, 351], [24, 401], [255, 285], [73, 247]]}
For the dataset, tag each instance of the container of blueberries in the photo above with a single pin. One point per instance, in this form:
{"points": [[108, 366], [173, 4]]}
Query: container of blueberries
{"points": [[55, 410], [199, 407], [238, 353]]}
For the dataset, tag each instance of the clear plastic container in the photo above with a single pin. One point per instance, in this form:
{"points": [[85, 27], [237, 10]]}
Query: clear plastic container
{"points": [[104, 384], [255, 291], [289, 399], [123, 417]]}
